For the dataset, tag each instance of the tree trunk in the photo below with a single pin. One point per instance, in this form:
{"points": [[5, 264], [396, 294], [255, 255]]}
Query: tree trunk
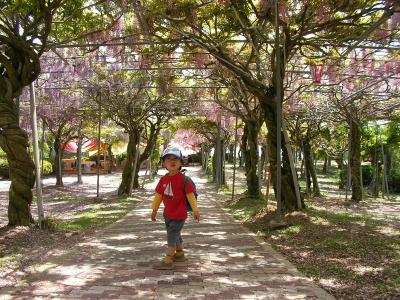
{"points": [[262, 163], [341, 168], [58, 162], [111, 158], [243, 147], [222, 165], [207, 154], [307, 176], [389, 154], [130, 158], [79, 158], [289, 200], [312, 175], [374, 185], [325, 167], [14, 142], [251, 158], [155, 129], [231, 153], [214, 166], [20, 66], [267, 95], [355, 161]]}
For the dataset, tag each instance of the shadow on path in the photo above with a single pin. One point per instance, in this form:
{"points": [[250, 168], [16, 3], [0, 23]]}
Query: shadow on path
{"points": [[225, 261]]}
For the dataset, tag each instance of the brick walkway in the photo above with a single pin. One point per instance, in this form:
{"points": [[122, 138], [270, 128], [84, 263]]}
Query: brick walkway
{"points": [[225, 261]]}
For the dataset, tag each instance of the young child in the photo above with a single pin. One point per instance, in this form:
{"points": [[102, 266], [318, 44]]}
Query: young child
{"points": [[170, 191]]}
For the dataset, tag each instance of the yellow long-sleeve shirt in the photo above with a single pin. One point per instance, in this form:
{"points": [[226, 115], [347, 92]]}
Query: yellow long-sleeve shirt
{"points": [[158, 199]]}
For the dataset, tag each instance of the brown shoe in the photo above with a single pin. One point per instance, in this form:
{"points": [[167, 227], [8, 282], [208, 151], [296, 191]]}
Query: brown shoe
{"points": [[162, 265], [179, 258]]}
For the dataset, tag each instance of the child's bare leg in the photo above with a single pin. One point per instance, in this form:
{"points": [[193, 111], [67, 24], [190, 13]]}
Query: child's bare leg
{"points": [[169, 255], [179, 254], [170, 250]]}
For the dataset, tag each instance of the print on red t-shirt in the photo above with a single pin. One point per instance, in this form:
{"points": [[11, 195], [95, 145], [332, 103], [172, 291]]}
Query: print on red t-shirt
{"points": [[171, 189]]}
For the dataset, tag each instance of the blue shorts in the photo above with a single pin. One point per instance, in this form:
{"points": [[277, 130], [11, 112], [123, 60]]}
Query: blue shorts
{"points": [[174, 228]]}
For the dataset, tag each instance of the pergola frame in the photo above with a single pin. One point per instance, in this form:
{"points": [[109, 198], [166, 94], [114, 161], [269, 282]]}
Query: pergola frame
{"points": [[151, 43]]}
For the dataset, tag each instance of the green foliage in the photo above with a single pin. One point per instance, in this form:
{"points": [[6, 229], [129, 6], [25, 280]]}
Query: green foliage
{"points": [[200, 126], [94, 157], [3, 162], [155, 159], [393, 139], [394, 180], [367, 175], [47, 167], [76, 17], [45, 148], [373, 136], [333, 140], [121, 157], [210, 165], [194, 158]]}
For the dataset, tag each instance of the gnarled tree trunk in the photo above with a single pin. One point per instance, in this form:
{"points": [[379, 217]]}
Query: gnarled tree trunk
{"points": [[110, 157], [130, 160], [289, 200], [355, 161], [309, 165], [58, 161], [79, 158], [13, 139], [14, 142], [151, 143], [250, 150], [341, 166]]}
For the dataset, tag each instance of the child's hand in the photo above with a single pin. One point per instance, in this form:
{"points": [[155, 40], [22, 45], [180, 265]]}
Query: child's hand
{"points": [[153, 215], [196, 216]]}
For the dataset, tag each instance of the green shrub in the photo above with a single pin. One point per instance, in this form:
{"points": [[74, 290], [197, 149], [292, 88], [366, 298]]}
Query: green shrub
{"points": [[4, 168], [47, 168], [3, 162], [94, 157], [121, 157], [194, 158], [343, 178], [367, 175], [210, 165], [394, 181]]}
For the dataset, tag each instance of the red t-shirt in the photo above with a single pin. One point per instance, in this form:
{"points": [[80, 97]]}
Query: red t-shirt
{"points": [[171, 190]]}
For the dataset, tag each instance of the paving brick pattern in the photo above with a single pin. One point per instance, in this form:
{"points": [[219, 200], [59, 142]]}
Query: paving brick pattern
{"points": [[225, 261]]}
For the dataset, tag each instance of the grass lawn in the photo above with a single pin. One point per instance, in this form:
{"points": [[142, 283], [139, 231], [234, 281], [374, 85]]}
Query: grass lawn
{"points": [[352, 251]]}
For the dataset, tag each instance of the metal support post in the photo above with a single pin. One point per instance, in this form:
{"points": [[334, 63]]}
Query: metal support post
{"points": [[234, 158], [278, 103], [98, 148], [39, 198]]}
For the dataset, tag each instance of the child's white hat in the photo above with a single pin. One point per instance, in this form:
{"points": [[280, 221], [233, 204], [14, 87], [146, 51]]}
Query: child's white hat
{"points": [[172, 151]]}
